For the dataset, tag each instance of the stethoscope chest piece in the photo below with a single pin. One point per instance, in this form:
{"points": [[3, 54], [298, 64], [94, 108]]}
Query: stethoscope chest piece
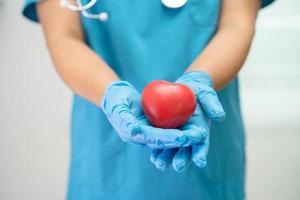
{"points": [[174, 3]]}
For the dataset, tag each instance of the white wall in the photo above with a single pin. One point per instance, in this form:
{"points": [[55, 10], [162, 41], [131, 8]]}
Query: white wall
{"points": [[270, 87], [35, 106], [34, 113]]}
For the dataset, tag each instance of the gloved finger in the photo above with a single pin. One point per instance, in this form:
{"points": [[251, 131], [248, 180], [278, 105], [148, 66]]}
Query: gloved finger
{"points": [[123, 119], [181, 159], [164, 159], [158, 138], [154, 154], [200, 152], [210, 103]]}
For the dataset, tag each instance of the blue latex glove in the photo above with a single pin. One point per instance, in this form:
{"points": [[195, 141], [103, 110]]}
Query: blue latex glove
{"points": [[208, 108], [202, 85], [121, 104], [180, 157]]}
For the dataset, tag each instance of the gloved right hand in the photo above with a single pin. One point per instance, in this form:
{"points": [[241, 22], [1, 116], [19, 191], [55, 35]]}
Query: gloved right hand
{"points": [[121, 104], [211, 110]]}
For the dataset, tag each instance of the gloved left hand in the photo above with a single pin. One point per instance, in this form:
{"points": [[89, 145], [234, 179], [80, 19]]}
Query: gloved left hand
{"points": [[208, 108]]}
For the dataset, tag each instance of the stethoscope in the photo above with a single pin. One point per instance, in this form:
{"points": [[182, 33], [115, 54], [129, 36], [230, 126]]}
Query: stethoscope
{"points": [[103, 16]]}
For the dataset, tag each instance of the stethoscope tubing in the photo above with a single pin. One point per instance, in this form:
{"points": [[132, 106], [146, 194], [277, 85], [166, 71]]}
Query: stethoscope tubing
{"points": [[103, 16]]}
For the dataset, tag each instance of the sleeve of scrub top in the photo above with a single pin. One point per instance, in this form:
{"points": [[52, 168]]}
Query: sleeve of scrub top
{"points": [[29, 9], [265, 3]]}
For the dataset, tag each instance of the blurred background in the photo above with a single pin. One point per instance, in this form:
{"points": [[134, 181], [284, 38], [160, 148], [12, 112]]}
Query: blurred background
{"points": [[35, 109]]}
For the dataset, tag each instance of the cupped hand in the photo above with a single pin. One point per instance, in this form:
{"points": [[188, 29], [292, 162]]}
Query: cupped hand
{"points": [[209, 108], [180, 157], [121, 104]]}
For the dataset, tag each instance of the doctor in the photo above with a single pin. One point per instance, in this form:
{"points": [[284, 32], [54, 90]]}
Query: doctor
{"points": [[109, 53]]}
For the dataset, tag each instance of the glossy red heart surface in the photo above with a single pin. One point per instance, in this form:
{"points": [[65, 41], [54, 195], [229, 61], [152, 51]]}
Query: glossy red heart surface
{"points": [[168, 105]]}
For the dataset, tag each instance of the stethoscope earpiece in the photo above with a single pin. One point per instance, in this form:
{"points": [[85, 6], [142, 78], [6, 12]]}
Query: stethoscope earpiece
{"points": [[103, 16]]}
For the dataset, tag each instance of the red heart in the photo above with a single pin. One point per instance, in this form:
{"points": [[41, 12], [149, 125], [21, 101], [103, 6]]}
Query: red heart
{"points": [[168, 105]]}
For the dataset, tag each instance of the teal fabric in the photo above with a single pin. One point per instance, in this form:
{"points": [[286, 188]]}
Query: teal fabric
{"points": [[144, 41]]}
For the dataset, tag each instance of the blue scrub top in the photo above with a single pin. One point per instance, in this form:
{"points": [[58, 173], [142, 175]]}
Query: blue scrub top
{"points": [[143, 41]]}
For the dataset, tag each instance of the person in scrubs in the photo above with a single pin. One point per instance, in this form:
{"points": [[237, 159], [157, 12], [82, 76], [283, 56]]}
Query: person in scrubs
{"points": [[110, 52]]}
